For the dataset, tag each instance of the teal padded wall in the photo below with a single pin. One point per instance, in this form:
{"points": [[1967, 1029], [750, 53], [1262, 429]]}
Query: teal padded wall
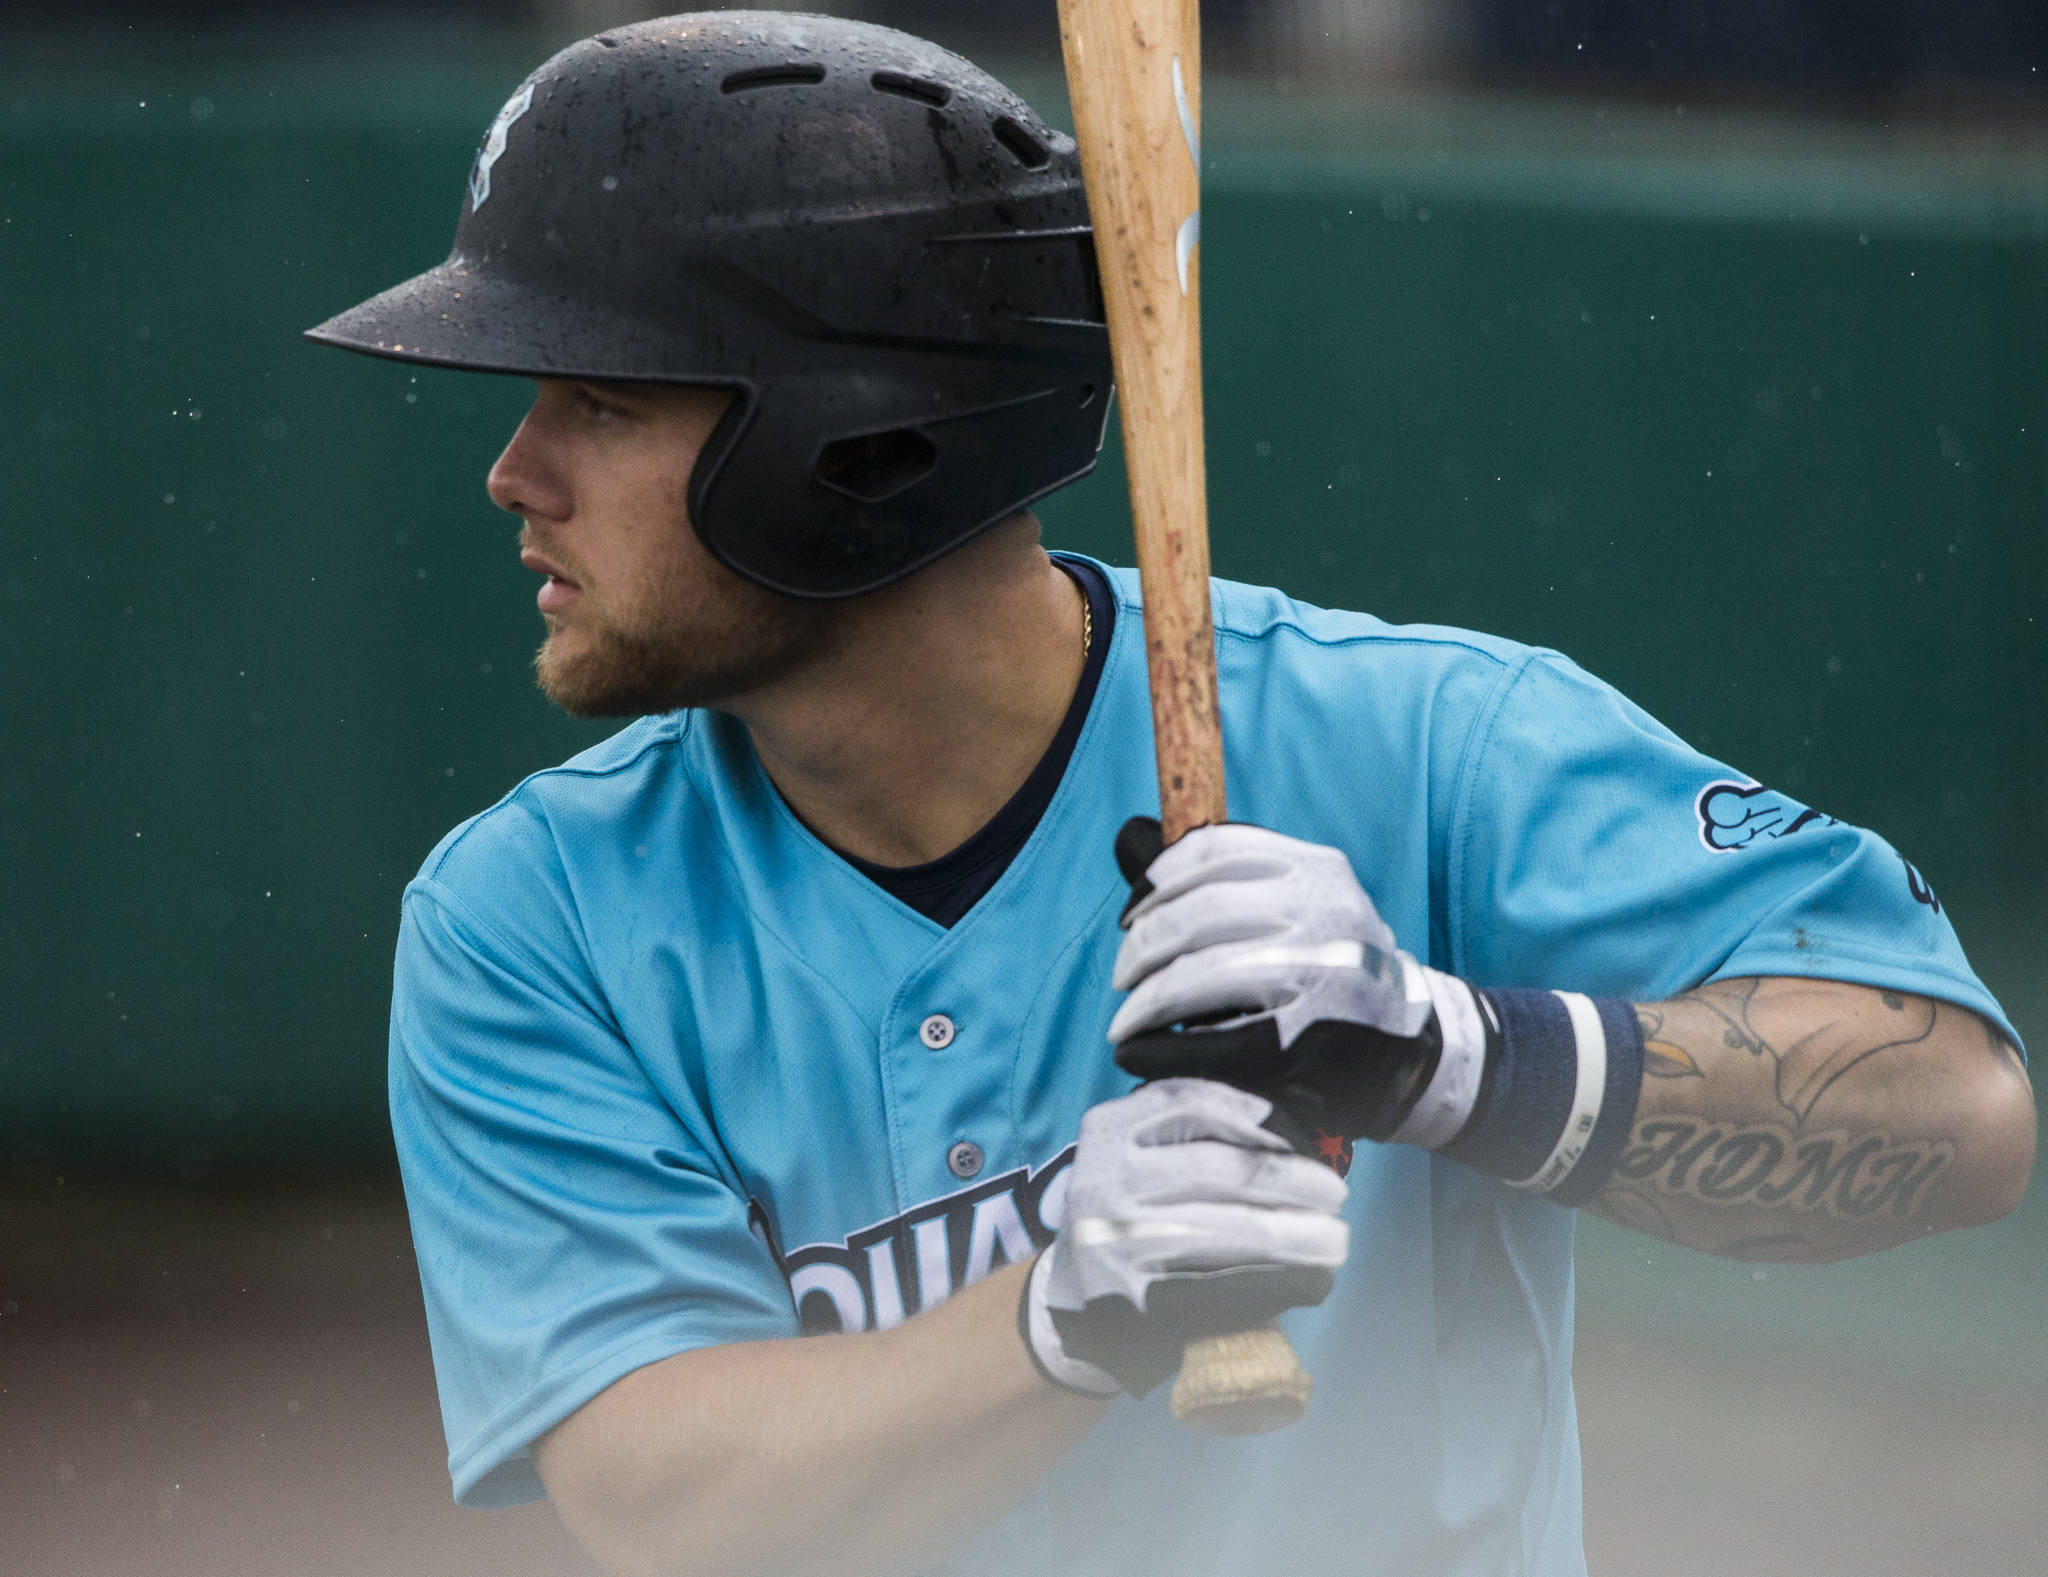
{"points": [[1758, 437]]}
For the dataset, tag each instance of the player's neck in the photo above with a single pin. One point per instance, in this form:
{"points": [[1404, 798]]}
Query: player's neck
{"points": [[933, 705]]}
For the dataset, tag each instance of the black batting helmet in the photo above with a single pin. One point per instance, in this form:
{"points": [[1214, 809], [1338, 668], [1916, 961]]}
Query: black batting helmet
{"points": [[880, 247]]}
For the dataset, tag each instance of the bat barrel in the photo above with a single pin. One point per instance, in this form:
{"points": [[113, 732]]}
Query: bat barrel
{"points": [[1134, 72]]}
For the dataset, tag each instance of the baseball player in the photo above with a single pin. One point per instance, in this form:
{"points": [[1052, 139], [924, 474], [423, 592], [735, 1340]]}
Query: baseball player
{"points": [[778, 1203]]}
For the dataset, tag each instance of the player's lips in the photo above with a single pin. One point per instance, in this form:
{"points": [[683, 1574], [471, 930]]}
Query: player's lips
{"points": [[559, 591]]}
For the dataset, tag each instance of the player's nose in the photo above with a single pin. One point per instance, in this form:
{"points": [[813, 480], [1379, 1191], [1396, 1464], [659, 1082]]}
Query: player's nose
{"points": [[522, 481]]}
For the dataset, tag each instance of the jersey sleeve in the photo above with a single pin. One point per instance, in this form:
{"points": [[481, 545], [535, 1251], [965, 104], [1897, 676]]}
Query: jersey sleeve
{"points": [[1591, 849], [570, 1227]]}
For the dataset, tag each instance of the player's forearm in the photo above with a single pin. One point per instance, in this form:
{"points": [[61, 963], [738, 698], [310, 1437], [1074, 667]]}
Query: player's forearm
{"points": [[1789, 1119], [876, 1452]]}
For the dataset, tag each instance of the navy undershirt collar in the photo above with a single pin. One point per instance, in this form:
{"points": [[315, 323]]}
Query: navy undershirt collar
{"points": [[943, 890]]}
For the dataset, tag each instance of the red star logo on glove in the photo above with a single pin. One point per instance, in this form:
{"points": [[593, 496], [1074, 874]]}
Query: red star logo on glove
{"points": [[1333, 1150]]}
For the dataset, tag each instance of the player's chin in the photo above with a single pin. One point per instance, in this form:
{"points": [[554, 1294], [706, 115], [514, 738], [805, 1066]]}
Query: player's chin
{"points": [[593, 671], [575, 671]]}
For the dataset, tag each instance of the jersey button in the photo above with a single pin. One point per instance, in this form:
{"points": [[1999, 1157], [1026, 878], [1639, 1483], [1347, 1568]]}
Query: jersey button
{"points": [[937, 1032], [964, 1159]]}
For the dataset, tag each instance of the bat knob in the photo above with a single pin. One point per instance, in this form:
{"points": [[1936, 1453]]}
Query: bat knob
{"points": [[1245, 1384]]}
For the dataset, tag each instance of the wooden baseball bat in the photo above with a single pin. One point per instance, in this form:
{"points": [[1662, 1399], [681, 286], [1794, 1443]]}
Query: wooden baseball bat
{"points": [[1134, 73]]}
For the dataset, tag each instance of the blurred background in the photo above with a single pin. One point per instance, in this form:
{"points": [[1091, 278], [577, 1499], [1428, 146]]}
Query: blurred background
{"points": [[1707, 343]]}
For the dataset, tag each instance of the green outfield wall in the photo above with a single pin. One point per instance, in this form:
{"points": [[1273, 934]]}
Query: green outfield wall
{"points": [[1747, 417]]}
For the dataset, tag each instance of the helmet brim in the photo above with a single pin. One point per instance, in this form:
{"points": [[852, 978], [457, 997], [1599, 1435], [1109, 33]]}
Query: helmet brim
{"points": [[457, 316]]}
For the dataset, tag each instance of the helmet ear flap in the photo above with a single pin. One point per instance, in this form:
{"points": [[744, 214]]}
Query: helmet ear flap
{"points": [[888, 497], [841, 525], [712, 462]]}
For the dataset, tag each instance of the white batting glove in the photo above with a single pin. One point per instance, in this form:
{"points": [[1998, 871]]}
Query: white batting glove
{"points": [[1186, 1217], [1258, 959]]}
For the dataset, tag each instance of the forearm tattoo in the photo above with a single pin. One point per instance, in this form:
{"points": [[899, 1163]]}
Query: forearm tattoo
{"points": [[1780, 1119], [1846, 1174]]}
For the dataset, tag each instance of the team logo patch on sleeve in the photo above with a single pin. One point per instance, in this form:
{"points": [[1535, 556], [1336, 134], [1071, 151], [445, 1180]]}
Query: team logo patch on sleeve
{"points": [[881, 1275], [1735, 815]]}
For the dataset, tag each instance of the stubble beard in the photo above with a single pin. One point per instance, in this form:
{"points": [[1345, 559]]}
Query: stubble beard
{"points": [[690, 645]]}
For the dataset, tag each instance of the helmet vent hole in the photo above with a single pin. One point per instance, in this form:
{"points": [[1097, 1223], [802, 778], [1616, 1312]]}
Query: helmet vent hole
{"points": [[1030, 152], [794, 75], [912, 88], [878, 465]]}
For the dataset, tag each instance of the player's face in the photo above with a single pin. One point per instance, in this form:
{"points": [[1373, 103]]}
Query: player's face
{"points": [[640, 617]]}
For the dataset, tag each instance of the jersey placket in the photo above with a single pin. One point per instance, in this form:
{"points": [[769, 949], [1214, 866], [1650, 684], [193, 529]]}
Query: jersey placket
{"points": [[994, 1042]]}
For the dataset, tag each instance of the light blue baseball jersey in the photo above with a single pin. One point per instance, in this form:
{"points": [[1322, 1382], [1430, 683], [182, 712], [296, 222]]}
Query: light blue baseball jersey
{"points": [[667, 1072]]}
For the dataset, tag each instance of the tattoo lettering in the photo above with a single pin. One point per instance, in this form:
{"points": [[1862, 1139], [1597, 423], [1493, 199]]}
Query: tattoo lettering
{"points": [[1850, 1176]]}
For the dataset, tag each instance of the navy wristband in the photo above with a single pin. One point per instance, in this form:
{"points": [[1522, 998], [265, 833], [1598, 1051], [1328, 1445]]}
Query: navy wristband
{"points": [[1558, 1095]]}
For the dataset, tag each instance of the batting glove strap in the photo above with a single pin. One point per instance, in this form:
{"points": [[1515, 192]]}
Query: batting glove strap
{"points": [[1557, 1094], [1133, 1349], [1042, 1340], [1448, 1087]]}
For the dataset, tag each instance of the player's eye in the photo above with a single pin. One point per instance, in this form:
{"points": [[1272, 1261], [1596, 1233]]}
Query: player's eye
{"points": [[594, 407]]}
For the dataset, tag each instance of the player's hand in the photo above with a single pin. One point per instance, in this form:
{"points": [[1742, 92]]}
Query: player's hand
{"points": [[1258, 959], [1186, 1216]]}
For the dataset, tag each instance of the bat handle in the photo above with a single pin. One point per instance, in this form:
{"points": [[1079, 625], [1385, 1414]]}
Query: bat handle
{"points": [[1250, 1382], [1245, 1384]]}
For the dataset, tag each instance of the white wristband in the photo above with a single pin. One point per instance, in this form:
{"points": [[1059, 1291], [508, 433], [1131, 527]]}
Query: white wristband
{"points": [[1440, 1115], [1587, 1098]]}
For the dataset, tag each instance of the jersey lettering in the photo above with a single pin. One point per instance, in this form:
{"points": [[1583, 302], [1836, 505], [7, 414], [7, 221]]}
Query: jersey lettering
{"points": [[881, 1275]]}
